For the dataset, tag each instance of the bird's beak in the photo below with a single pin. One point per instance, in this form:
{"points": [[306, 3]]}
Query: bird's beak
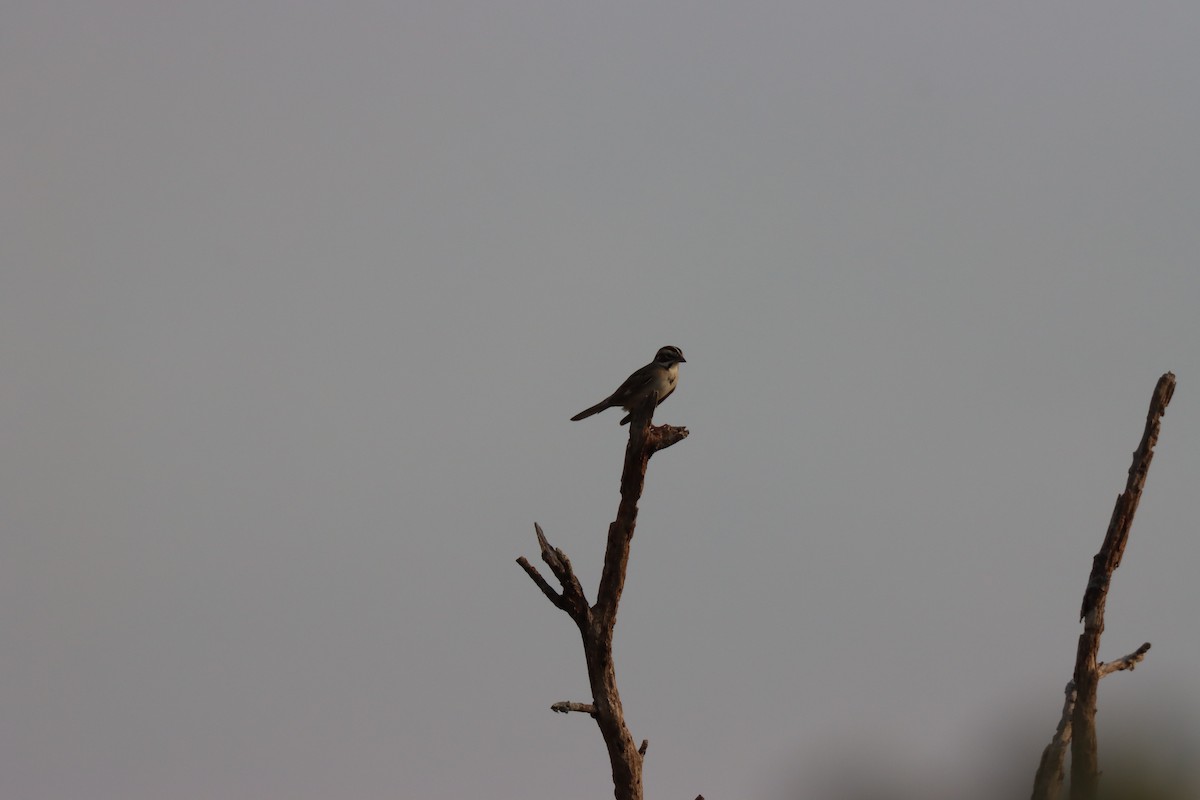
{"points": [[682, 360]]}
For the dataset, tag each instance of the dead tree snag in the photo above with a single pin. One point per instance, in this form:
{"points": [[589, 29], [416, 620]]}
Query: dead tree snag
{"points": [[596, 622], [1078, 723]]}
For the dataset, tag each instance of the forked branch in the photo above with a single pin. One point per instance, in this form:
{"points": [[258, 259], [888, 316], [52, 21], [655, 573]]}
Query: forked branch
{"points": [[597, 622], [1047, 783], [1078, 724]]}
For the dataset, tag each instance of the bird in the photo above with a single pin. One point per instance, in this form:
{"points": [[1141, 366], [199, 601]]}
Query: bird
{"points": [[660, 375]]}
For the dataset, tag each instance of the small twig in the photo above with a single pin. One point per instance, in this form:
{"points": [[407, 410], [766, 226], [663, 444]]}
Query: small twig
{"points": [[645, 746], [546, 588], [572, 599], [558, 562], [567, 706], [1124, 662]]}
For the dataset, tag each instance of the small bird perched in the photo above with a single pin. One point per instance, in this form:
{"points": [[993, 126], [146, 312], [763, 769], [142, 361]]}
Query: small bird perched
{"points": [[660, 375]]}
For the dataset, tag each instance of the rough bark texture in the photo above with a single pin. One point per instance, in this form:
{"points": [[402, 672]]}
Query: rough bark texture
{"points": [[1077, 726], [1047, 783], [597, 622], [1085, 770]]}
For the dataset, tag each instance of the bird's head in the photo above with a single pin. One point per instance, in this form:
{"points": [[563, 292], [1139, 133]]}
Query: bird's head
{"points": [[670, 355]]}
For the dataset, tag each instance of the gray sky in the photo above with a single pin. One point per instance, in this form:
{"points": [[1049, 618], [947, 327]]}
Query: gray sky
{"points": [[297, 299]]}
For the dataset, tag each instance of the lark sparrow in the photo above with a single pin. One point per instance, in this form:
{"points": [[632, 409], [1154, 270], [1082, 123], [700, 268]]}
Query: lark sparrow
{"points": [[660, 375]]}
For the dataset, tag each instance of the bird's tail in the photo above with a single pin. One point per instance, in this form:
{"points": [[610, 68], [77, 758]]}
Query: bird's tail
{"points": [[587, 412]]}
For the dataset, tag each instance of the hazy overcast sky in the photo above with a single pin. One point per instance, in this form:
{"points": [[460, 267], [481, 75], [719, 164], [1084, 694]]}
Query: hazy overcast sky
{"points": [[296, 300]]}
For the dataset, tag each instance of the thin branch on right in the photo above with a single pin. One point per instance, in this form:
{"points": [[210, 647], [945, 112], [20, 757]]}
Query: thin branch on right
{"points": [[1077, 727]]}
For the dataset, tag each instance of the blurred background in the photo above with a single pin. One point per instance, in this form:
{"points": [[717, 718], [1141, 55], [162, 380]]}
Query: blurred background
{"points": [[296, 300]]}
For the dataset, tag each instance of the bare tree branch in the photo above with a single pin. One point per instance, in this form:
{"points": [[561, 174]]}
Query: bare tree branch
{"points": [[1124, 662], [567, 706], [643, 443], [572, 599], [596, 623], [1085, 770], [1047, 783], [1077, 725], [546, 588]]}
